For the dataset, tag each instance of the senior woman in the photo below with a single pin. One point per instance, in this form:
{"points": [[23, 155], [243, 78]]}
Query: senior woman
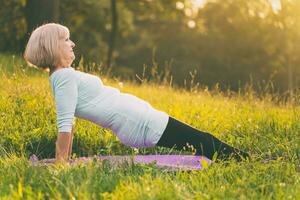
{"points": [[134, 121]]}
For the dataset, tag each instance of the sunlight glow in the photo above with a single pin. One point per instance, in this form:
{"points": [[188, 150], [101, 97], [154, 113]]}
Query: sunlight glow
{"points": [[179, 5], [188, 12], [198, 3], [191, 24], [276, 4]]}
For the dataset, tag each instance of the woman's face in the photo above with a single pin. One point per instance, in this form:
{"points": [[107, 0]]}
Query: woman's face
{"points": [[66, 52]]}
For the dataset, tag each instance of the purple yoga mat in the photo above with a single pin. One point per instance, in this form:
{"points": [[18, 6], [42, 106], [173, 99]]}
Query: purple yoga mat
{"points": [[181, 162], [171, 162]]}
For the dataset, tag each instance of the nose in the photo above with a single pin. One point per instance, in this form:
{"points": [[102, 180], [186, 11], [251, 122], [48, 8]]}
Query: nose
{"points": [[72, 44]]}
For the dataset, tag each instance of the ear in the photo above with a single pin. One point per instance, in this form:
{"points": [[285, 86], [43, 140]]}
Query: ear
{"points": [[46, 69]]}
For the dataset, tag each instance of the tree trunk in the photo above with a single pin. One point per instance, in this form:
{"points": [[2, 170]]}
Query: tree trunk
{"points": [[114, 28], [39, 12], [290, 79]]}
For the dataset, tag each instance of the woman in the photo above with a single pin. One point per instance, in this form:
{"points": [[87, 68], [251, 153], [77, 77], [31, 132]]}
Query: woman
{"points": [[135, 122]]}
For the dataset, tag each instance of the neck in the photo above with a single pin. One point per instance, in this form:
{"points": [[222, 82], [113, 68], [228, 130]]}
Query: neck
{"points": [[51, 71], [56, 68]]}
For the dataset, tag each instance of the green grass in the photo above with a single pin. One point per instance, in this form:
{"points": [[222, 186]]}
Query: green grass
{"points": [[257, 125]]}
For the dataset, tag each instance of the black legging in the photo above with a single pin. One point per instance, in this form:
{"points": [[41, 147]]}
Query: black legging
{"points": [[177, 134]]}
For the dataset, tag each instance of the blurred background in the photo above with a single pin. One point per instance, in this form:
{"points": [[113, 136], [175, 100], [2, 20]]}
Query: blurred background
{"points": [[232, 43]]}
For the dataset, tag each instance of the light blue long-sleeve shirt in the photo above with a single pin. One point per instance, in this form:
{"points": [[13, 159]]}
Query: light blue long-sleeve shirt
{"points": [[135, 122]]}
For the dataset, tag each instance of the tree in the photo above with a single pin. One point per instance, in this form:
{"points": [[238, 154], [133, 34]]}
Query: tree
{"points": [[12, 26], [114, 29], [41, 11], [288, 21]]}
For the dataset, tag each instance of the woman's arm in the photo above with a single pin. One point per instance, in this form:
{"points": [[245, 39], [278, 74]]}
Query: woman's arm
{"points": [[63, 144], [71, 143], [65, 92]]}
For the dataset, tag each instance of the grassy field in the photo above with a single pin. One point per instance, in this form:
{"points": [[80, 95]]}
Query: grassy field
{"points": [[262, 126]]}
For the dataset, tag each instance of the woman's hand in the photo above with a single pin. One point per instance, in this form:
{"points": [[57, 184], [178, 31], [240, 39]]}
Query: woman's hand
{"points": [[62, 153], [35, 160], [47, 161]]}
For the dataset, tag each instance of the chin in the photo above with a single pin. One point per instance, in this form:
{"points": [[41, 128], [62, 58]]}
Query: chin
{"points": [[71, 60]]}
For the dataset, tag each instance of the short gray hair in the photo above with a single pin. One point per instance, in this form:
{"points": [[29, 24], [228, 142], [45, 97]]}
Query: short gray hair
{"points": [[42, 49]]}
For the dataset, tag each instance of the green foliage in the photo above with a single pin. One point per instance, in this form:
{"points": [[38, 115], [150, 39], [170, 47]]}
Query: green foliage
{"points": [[13, 25], [90, 25], [233, 43]]}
